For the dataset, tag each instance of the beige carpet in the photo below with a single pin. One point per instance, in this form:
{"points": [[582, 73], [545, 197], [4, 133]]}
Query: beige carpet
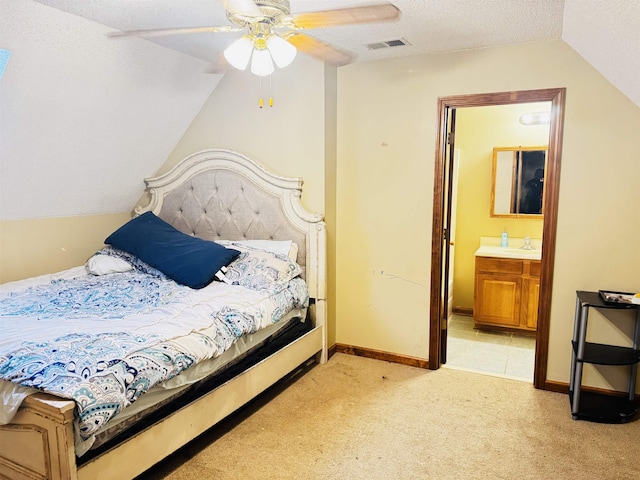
{"points": [[357, 418]]}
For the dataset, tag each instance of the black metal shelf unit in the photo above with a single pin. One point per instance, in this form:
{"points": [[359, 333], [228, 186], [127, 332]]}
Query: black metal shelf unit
{"points": [[594, 406]]}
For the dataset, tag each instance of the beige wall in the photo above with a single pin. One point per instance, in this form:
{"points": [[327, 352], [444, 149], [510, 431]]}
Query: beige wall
{"points": [[478, 131], [287, 138], [48, 245], [386, 143]]}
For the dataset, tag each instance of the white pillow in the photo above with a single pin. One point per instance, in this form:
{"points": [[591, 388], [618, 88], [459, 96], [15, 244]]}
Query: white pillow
{"points": [[279, 247], [261, 270], [104, 264]]}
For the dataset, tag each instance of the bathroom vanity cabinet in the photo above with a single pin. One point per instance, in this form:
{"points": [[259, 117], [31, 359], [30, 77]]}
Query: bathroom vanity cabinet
{"points": [[506, 292]]}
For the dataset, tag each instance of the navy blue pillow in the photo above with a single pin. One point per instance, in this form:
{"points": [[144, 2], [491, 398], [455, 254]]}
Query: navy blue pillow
{"points": [[188, 260]]}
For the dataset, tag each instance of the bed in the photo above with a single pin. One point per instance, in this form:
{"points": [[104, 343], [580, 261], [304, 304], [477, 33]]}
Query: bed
{"points": [[214, 195]]}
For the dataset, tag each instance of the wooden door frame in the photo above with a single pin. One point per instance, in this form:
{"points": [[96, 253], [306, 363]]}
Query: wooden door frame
{"points": [[552, 186]]}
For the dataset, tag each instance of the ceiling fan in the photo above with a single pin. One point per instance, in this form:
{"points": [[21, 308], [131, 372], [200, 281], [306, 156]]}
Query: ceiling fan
{"points": [[273, 34]]}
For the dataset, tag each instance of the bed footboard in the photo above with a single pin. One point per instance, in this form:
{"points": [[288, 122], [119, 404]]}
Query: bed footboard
{"points": [[38, 444]]}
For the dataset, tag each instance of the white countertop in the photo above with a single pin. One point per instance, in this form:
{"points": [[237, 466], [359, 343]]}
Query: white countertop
{"points": [[501, 252], [490, 247]]}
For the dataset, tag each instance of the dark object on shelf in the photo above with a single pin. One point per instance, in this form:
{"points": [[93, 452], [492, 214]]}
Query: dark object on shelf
{"points": [[609, 296], [595, 406]]}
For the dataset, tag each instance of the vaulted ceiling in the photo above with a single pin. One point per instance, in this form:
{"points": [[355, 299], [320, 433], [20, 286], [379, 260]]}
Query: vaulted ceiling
{"points": [[79, 109], [604, 32]]}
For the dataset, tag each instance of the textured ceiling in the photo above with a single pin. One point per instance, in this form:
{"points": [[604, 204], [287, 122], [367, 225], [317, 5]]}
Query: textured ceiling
{"points": [[607, 35], [428, 25], [604, 32]]}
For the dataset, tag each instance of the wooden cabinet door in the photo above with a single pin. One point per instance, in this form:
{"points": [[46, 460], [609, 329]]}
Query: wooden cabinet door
{"points": [[498, 299]]}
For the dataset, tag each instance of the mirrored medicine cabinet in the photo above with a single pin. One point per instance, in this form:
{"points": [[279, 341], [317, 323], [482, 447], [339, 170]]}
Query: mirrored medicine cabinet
{"points": [[517, 181]]}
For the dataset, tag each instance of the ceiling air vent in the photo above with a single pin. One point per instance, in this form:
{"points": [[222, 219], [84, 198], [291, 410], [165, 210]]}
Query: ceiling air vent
{"points": [[389, 43]]}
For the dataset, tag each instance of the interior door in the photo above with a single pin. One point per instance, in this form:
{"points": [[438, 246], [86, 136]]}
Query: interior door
{"points": [[452, 230], [447, 237]]}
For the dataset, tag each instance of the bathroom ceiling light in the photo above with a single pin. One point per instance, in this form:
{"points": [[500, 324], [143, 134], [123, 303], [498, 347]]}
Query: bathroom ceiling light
{"points": [[536, 118]]}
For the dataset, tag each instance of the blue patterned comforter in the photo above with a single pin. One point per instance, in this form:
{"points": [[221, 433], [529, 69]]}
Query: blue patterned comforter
{"points": [[103, 341]]}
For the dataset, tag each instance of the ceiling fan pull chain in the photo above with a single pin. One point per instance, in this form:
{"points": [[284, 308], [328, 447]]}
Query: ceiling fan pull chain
{"points": [[270, 97], [261, 101]]}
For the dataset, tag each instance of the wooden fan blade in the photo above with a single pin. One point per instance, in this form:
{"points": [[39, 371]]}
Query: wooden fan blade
{"points": [[346, 16], [159, 32], [320, 50]]}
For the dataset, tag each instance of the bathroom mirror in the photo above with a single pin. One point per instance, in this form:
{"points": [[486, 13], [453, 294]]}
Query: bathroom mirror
{"points": [[517, 181]]}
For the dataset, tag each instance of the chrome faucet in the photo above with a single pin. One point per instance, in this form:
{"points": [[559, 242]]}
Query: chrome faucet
{"points": [[527, 244]]}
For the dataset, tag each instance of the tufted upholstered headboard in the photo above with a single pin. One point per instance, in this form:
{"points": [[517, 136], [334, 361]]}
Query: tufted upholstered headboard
{"points": [[223, 195]]}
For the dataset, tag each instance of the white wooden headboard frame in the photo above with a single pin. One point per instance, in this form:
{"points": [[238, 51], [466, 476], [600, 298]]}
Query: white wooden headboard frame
{"points": [[221, 194]]}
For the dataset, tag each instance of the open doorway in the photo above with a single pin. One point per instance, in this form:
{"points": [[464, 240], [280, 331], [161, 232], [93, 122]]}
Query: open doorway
{"points": [[442, 216], [496, 154]]}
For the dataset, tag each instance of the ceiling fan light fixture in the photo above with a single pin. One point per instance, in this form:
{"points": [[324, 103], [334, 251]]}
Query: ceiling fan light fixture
{"points": [[281, 51], [261, 63], [272, 31], [238, 53]]}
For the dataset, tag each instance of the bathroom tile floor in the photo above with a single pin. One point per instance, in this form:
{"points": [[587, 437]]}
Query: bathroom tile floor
{"points": [[503, 354]]}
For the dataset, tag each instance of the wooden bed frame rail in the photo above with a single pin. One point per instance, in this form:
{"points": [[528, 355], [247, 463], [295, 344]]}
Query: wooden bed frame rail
{"points": [[42, 430]]}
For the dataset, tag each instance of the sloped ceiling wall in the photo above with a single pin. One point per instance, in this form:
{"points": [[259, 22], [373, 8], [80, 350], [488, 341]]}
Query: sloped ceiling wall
{"points": [[85, 116], [607, 35]]}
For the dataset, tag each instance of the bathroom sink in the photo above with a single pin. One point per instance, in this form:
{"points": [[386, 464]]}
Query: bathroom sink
{"points": [[508, 252]]}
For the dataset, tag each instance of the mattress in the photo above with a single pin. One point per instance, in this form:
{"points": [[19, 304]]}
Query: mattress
{"points": [[285, 333], [107, 341]]}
